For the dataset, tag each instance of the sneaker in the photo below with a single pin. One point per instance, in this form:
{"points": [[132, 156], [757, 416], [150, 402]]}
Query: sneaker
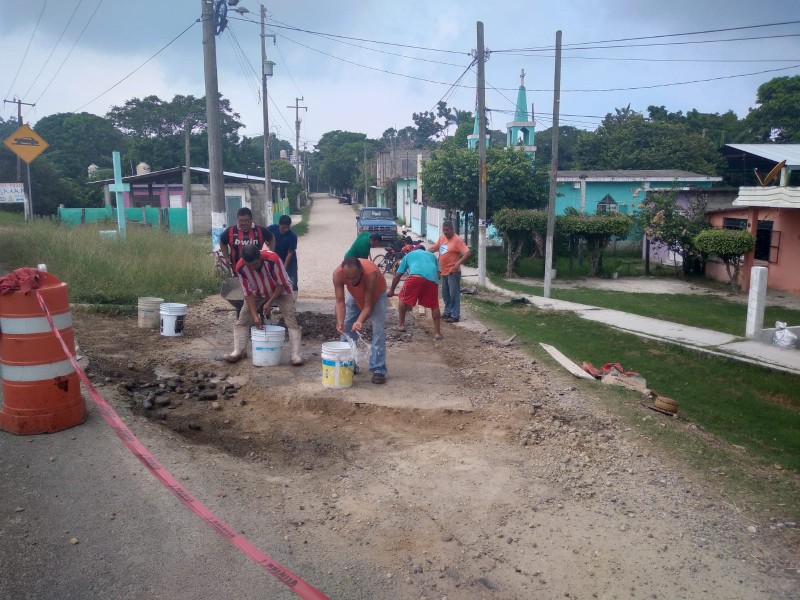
{"points": [[378, 378], [447, 318], [453, 320]]}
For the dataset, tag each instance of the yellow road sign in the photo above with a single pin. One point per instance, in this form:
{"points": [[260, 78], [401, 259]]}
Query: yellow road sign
{"points": [[26, 143]]}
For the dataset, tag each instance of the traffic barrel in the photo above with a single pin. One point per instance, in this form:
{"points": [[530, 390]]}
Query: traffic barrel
{"points": [[39, 389]]}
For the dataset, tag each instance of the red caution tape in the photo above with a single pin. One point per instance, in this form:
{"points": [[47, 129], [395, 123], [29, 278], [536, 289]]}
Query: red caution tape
{"points": [[290, 579]]}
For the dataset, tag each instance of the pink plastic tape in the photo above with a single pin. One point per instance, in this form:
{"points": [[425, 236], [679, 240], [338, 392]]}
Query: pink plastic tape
{"points": [[291, 580]]}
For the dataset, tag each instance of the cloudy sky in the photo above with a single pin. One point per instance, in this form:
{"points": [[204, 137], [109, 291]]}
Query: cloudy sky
{"points": [[368, 65]]}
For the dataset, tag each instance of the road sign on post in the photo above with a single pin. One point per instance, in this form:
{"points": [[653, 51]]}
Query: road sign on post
{"points": [[26, 143]]}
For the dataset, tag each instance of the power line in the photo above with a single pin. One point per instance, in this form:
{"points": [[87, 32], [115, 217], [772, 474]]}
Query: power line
{"points": [[167, 45], [669, 60], [666, 35], [521, 51], [47, 60], [368, 41], [63, 62], [449, 93], [30, 41]]}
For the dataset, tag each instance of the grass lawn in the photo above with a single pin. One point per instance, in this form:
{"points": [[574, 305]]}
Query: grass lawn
{"points": [[706, 311], [111, 274], [302, 228], [741, 405]]}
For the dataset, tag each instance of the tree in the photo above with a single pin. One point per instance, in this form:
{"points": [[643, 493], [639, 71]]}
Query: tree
{"points": [[568, 139], [450, 180], [626, 140], [674, 224], [777, 118], [730, 245], [517, 226], [341, 156], [596, 231]]}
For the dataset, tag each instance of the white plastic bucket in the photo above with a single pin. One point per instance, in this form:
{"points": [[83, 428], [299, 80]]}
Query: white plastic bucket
{"points": [[149, 312], [173, 316], [338, 364], [267, 345]]}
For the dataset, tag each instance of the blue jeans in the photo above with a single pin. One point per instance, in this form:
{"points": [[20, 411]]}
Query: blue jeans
{"points": [[451, 294], [377, 357]]}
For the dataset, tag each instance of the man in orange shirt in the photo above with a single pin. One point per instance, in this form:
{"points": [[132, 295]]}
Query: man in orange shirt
{"points": [[366, 300], [453, 253]]}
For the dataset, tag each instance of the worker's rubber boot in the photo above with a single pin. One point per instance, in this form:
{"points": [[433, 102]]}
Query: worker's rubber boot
{"points": [[294, 345], [241, 335]]}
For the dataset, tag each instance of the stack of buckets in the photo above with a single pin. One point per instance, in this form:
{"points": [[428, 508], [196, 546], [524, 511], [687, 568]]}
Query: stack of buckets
{"points": [[338, 364], [168, 316], [267, 345]]}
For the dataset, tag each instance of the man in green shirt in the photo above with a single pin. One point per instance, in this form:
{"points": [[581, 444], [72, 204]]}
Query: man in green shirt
{"points": [[363, 244]]}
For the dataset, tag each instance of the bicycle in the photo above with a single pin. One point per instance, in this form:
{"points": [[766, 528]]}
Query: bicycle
{"points": [[221, 267]]}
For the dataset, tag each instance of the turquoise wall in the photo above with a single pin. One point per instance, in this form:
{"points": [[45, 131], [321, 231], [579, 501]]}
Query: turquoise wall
{"points": [[622, 191]]}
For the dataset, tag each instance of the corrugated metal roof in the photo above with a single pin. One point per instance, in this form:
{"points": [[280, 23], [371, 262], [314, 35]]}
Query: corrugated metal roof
{"points": [[635, 175], [165, 174], [774, 152]]}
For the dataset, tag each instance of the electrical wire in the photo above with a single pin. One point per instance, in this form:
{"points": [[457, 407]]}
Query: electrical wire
{"points": [[75, 43], [30, 41], [244, 63], [58, 41], [653, 37], [656, 60], [167, 45], [451, 90]]}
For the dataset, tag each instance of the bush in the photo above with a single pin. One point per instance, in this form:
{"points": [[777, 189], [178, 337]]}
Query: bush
{"points": [[730, 245]]}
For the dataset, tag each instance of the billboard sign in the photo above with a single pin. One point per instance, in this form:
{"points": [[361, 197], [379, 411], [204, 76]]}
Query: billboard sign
{"points": [[12, 193]]}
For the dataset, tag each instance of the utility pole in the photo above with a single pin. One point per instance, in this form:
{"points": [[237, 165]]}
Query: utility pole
{"points": [[26, 183], [297, 108], [551, 206], [216, 181], [266, 71], [481, 57], [366, 189]]}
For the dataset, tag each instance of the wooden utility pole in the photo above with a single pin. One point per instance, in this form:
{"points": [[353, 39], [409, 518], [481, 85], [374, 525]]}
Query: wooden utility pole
{"points": [[297, 108], [481, 57], [26, 183], [366, 189], [266, 71], [551, 206], [216, 181]]}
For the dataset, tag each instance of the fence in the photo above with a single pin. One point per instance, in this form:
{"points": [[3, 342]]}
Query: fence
{"points": [[174, 220]]}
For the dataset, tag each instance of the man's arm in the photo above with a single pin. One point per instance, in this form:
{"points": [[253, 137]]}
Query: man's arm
{"points": [[464, 257], [370, 283], [251, 306], [395, 280], [223, 247], [338, 288], [289, 256]]}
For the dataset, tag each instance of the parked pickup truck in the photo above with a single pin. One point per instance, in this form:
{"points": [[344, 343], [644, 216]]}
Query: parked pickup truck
{"points": [[377, 220]]}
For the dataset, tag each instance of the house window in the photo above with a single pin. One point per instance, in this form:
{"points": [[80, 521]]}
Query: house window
{"points": [[728, 223], [607, 205]]}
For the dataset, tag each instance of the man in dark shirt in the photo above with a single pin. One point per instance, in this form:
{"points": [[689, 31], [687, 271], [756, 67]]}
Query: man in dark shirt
{"points": [[286, 247], [244, 233]]}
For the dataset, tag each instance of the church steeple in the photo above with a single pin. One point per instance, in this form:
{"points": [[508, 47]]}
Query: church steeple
{"points": [[520, 132]]}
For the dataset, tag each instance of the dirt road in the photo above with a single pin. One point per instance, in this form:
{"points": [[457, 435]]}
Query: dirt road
{"points": [[475, 472]]}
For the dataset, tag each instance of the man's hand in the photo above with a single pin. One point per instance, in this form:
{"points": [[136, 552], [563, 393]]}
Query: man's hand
{"points": [[357, 327], [390, 293], [267, 312], [340, 327], [257, 322]]}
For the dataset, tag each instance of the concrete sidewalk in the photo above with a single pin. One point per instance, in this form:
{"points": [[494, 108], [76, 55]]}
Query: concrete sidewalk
{"points": [[702, 340]]}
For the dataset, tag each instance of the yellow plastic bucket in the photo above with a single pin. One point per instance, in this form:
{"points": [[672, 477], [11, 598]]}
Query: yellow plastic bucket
{"points": [[338, 364]]}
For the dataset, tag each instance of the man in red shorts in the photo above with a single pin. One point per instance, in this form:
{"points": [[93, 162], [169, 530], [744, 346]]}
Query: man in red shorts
{"points": [[421, 287]]}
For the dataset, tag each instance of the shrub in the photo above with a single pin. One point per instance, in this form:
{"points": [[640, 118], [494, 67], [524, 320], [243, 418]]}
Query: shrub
{"points": [[730, 245]]}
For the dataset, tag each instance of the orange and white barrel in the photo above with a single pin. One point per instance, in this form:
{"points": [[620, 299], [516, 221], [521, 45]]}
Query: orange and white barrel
{"points": [[39, 389]]}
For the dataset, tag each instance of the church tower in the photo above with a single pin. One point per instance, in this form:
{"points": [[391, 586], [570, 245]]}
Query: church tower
{"points": [[520, 131]]}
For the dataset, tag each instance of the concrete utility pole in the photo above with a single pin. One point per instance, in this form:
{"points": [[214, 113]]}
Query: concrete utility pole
{"points": [[297, 108], [481, 57], [551, 206], [26, 183], [266, 71], [366, 189], [217, 184]]}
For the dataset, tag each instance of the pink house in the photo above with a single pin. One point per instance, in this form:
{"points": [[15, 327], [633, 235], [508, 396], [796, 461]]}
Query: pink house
{"points": [[772, 214]]}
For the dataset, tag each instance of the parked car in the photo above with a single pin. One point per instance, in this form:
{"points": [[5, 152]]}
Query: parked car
{"points": [[345, 199], [377, 220]]}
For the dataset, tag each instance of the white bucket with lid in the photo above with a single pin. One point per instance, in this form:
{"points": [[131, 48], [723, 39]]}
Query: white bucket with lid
{"points": [[149, 307], [267, 345], [338, 364], [173, 316]]}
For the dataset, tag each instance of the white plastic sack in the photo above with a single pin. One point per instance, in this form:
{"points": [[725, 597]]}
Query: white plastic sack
{"points": [[782, 337]]}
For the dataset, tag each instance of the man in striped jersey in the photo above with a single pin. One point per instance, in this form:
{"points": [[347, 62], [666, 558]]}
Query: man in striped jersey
{"points": [[264, 281]]}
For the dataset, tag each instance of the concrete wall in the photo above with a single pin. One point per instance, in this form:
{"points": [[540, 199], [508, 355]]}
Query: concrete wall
{"points": [[628, 194]]}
